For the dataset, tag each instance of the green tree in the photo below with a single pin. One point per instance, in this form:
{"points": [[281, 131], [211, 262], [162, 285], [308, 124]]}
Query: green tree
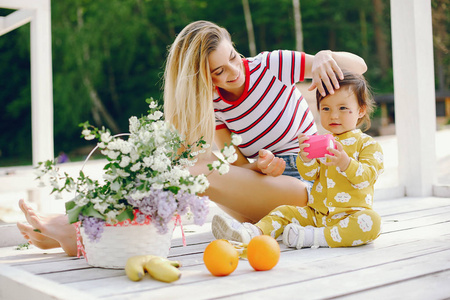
{"points": [[108, 55]]}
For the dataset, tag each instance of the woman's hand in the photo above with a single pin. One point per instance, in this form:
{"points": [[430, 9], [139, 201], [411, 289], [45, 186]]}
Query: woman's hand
{"points": [[302, 138], [339, 159], [324, 69], [270, 165]]}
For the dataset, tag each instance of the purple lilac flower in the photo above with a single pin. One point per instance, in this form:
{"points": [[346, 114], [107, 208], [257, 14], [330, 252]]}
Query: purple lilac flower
{"points": [[93, 227], [167, 205], [140, 217], [199, 208], [183, 203], [161, 206]]}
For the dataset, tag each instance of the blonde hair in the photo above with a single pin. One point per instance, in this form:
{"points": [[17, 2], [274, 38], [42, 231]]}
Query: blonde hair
{"points": [[188, 87], [359, 86]]}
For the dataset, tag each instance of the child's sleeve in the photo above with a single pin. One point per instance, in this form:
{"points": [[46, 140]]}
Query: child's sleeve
{"points": [[308, 171], [365, 169]]}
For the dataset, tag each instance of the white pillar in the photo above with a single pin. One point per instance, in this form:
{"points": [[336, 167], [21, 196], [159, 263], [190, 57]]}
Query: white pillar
{"points": [[414, 92], [41, 83]]}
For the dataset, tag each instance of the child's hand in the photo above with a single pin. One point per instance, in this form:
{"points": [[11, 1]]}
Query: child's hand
{"points": [[270, 165], [302, 138], [340, 158]]}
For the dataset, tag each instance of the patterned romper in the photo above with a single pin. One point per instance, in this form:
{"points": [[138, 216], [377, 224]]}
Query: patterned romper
{"points": [[339, 201]]}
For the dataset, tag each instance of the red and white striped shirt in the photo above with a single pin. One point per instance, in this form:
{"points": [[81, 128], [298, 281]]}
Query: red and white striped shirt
{"points": [[271, 112]]}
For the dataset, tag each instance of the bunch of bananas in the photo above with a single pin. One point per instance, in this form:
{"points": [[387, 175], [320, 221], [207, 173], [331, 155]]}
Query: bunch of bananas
{"points": [[159, 268]]}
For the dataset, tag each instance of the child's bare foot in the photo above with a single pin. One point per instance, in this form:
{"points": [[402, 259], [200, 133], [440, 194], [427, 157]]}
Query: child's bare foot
{"points": [[47, 231]]}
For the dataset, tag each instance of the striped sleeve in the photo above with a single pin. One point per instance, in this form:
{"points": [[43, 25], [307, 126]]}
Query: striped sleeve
{"points": [[287, 66]]}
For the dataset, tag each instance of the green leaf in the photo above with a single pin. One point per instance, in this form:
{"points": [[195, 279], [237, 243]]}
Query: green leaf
{"points": [[70, 204], [73, 214], [127, 214], [91, 212], [173, 189], [85, 124]]}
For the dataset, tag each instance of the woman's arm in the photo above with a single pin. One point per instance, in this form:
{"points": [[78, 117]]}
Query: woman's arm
{"points": [[324, 66], [266, 163]]}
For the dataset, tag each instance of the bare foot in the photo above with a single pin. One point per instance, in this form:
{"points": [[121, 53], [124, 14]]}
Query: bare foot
{"points": [[48, 231], [36, 238]]}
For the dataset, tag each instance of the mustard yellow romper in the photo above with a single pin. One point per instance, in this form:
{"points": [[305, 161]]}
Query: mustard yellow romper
{"points": [[341, 202]]}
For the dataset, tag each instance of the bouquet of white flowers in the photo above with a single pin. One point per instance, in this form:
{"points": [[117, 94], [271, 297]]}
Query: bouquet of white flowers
{"points": [[146, 176]]}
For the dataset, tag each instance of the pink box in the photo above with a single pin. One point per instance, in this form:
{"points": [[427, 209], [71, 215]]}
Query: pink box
{"points": [[319, 144]]}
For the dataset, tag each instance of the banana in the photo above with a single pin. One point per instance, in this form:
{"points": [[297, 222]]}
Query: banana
{"points": [[134, 267], [241, 248], [162, 270]]}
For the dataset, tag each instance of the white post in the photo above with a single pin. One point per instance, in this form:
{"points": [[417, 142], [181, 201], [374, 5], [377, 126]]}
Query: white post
{"points": [[41, 84], [415, 107]]}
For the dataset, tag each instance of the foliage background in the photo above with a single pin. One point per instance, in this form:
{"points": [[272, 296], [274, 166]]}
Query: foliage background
{"points": [[108, 55]]}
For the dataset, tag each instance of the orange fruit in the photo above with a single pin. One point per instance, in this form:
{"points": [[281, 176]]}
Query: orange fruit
{"points": [[263, 252], [220, 258]]}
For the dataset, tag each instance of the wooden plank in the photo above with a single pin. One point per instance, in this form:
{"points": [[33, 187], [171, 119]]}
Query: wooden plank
{"points": [[289, 272], [415, 228], [11, 256], [349, 282], [415, 219], [305, 264], [15, 20], [192, 259], [417, 213], [186, 253], [29, 4], [408, 204], [18, 284], [46, 267], [10, 236], [441, 190], [434, 286], [85, 274]]}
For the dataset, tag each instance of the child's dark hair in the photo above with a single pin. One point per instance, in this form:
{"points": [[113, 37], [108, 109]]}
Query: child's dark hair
{"points": [[358, 85]]}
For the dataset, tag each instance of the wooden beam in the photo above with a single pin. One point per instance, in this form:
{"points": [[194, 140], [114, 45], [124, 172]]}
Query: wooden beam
{"points": [[19, 4], [415, 106], [41, 85], [15, 20], [447, 107]]}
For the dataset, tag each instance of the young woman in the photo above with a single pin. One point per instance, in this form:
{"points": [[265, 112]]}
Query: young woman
{"points": [[210, 91]]}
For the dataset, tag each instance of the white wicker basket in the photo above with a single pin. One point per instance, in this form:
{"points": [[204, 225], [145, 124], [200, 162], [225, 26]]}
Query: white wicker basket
{"points": [[118, 243]]}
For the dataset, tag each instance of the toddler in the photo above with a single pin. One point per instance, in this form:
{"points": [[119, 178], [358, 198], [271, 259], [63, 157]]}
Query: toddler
{"points": [[339, 210]]}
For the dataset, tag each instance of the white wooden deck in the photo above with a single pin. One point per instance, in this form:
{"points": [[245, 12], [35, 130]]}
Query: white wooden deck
{"points": [[410, 260]]}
